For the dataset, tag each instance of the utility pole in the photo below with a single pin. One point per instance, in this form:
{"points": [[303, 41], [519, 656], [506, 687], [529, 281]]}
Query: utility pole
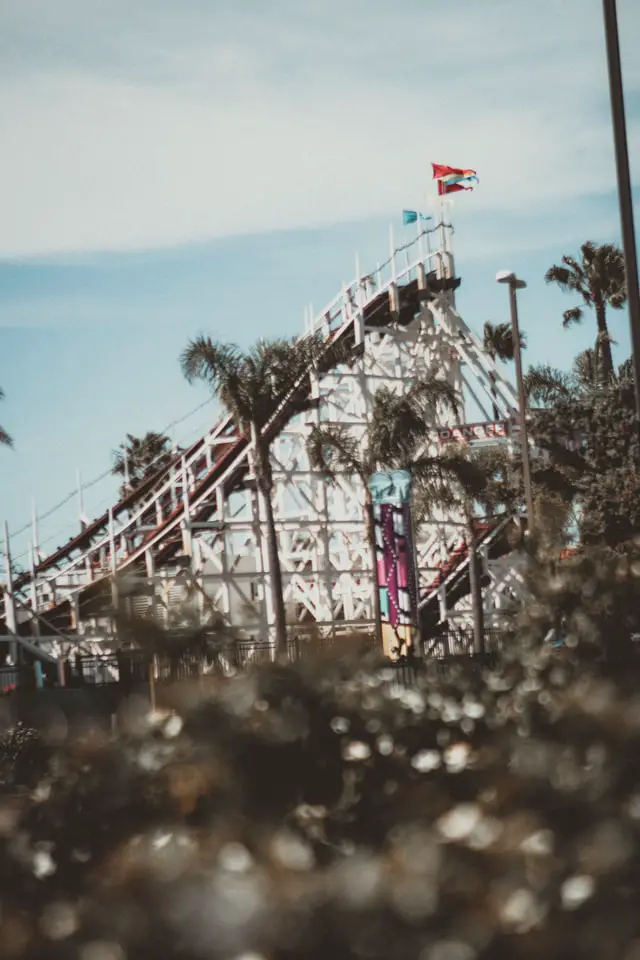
{"points": [[625, 197], [515, 284]]}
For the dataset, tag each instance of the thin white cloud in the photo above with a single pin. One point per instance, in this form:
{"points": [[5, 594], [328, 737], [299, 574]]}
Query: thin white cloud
{"points": [[130, 126]]}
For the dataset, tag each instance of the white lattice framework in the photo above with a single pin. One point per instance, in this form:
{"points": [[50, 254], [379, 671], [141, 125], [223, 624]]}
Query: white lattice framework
{"points": [[200, 524]]}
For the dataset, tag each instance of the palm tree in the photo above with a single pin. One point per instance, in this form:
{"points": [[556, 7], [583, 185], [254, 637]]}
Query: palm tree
{"points": [[140, 458], [5, 439], [599, 279], [394, 433], [497, 342], [467, 477], [253, 386]]}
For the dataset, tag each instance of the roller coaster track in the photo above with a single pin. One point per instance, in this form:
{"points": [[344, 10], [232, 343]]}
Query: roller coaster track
{"points": [[155, 519]]}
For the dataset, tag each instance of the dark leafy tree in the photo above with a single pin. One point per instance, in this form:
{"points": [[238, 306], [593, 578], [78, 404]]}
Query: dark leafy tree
{"points": [[598, 278], [586, 432]]}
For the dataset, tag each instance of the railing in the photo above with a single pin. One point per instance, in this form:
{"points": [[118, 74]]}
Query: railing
{"points": [[9, 679], [458, 643], [486, 532], [134, 667]]}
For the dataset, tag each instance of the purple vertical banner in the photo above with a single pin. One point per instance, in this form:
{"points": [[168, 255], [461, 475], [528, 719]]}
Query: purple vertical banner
{"points": [[393, 524]]}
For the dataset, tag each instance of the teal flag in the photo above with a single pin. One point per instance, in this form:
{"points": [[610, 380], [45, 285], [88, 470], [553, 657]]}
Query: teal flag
{"points": [[411, 216]]}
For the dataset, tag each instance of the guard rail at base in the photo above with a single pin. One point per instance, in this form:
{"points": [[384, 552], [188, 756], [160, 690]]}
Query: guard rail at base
{"points": [[132, 667]]}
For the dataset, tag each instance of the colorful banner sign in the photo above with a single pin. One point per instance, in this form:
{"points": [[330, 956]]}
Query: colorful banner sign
{"points": [[393, 525], [474, 432]]}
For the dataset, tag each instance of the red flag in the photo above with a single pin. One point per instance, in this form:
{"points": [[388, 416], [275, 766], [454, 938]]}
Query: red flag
{"points": [[444, 188], [441, 170]]}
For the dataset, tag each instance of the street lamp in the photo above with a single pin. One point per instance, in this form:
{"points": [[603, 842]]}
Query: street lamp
{"points": [[508, 277]]}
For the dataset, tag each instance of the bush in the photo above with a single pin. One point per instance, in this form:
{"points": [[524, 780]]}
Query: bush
{"points": [[324, 811]]}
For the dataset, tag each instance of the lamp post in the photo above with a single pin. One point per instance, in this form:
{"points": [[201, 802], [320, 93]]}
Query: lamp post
{"points": [[625, 198], [508, 277]]}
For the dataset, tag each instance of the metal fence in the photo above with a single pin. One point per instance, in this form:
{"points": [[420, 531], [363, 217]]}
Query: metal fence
{"points": [[459, 643], [9, 679], [133, 667]]}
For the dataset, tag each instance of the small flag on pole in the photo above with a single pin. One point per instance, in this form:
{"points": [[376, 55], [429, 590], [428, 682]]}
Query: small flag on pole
{"points": [[452, 179], [411, 216], [444, 187]]}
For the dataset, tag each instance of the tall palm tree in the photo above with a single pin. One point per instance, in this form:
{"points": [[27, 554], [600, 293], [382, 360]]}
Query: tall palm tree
{"points": [[393, 436], [140, 457], [5, 438], [497, 342], [599, 279], [253, 386]]}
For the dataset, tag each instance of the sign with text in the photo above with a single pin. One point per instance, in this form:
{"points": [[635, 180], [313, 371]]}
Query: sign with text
{"points": [[474, 432]]}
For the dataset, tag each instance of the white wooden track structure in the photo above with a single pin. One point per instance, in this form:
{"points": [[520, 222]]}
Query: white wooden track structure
{"points": [[193, 532]]}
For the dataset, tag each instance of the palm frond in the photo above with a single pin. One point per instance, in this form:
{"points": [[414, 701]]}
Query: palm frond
{"points": [[205, 359], [283, 363], [459, 479], [333, 449], [6, 439], [231, 375], [431, 396], [396, 428], [544, 384], [574, 315], [625, 370], [560, 276], [497, 340], [586, 368], [431, 495], [589, 252], [570, 277], [609, 275], [141, 457], [455, 470]]}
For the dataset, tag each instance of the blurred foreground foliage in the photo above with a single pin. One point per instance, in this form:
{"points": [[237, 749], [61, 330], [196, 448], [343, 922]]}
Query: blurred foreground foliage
{"points": [[326, 811]]}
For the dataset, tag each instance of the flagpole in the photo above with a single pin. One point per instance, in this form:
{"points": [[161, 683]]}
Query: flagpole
{"points": [[444, 237]]}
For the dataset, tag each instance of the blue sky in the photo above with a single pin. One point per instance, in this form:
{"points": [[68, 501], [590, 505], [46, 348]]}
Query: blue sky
{"points": [[171, 168]]}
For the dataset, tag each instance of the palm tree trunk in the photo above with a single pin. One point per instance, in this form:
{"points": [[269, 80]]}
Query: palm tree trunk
{"points": [[264, 483], [371, 534], [475, 586], [494, 395], [275, 575], [604, 344]]}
